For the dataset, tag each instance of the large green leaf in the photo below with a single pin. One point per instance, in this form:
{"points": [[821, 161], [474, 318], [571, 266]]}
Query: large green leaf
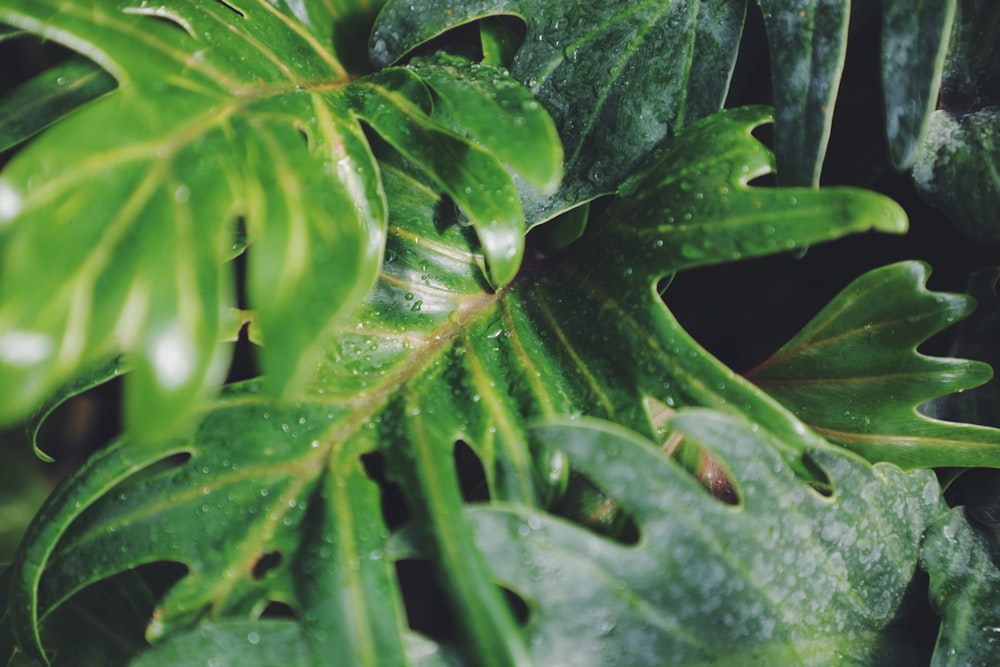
{"points": [[617, 77], [854, 374], [274, 503], [785, 577], [118, 221]]}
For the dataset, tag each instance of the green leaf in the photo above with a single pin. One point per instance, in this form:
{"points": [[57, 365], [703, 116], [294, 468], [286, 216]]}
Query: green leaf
{"points": [[962, 560], [976, 338], [48, 97], [275, 504], [854, 374], [956, 166], [958, 170], [617, 78], [914, 43], [225, 117], [785, 577], [808, 42]]}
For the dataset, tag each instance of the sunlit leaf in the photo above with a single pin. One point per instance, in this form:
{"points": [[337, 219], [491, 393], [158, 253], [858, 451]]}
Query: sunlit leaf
{"points": [[224, 117], [617, 78], [854, 374], [786, 577]]}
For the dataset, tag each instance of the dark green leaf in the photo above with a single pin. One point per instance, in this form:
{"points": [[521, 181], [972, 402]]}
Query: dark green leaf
{"points": [[962, 560], [786, 577], [914, 42], [808, 41], [956, 166], [854, 374], [49, 96], [617, 78], [958, 170]]}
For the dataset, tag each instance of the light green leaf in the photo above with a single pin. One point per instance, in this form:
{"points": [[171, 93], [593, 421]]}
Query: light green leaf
{"points": [[914, 43], [617, 78], [274, 503], [808, 41], [118, 222], [854, 374], [961, 559], [49, 96], [785, 577]]}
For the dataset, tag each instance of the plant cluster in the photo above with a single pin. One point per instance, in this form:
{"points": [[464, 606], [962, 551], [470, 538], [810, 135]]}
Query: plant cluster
{"points": [[478, 434]]}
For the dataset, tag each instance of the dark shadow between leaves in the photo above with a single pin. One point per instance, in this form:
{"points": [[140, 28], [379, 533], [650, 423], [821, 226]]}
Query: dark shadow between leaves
{"points": [[424, 600], [471, 474], [394, 510]]}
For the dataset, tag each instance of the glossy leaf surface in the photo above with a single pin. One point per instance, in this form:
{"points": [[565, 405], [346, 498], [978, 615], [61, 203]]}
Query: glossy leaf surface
{"points": [[230, 115], [269, 503], [617, 78], [854, 374], [799, 578]]}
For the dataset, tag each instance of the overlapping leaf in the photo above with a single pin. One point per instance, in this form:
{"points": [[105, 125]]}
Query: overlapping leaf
{"points": [[787, 576], [119, 220], [274, 503], [617, 77], [854, 374]]}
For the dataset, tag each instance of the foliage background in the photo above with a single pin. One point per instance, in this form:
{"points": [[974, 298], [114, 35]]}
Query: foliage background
{"points": [[755, 305]]}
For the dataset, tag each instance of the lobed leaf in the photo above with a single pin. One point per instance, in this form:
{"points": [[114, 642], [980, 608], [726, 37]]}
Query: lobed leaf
{"points": [[787, 576], [272, 503], [854, 374], [120, 220]]}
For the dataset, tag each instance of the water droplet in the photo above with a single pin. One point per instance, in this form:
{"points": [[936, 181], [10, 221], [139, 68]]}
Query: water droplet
{"points": [[253, 638], [417, 305]]}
